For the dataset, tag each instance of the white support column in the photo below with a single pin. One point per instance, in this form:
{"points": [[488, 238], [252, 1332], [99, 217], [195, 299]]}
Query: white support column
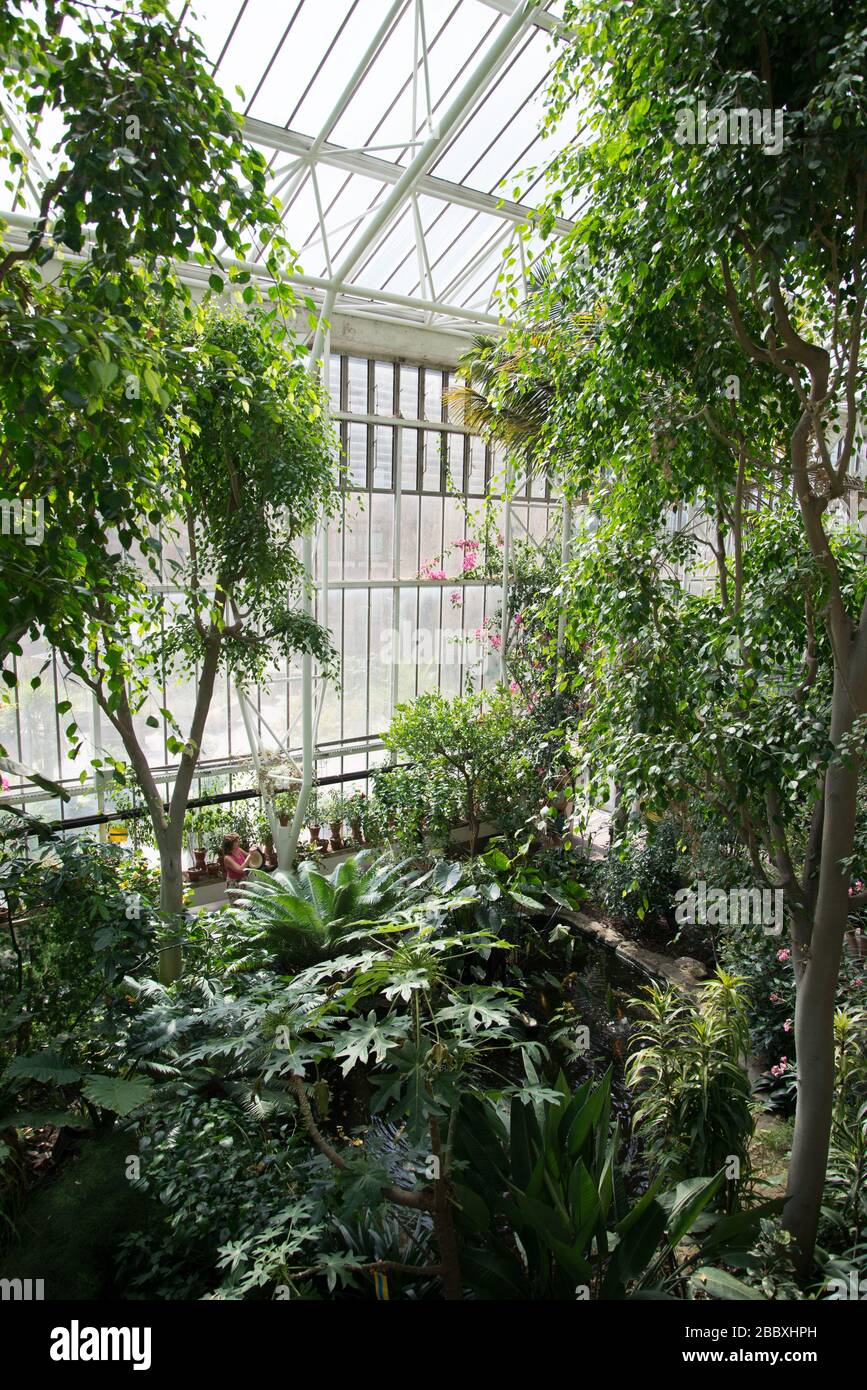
{"points": [[395, 568], [291, 843], [507, 556]]}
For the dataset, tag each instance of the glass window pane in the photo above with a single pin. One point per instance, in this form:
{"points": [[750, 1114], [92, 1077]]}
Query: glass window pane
{"points": [[357, 401], [383, 446], [409, 460], [383, 389], [409, 404], [357, 454]]}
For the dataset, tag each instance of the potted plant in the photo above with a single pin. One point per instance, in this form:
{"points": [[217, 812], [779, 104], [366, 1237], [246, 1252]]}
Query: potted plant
{"points": [[354, 810], [265, 837], [331, 813], [314, 822], [284, 806]]}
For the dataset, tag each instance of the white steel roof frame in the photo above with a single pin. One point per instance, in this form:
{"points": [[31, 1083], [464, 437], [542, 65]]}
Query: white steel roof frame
{"points": [[401, 186]]}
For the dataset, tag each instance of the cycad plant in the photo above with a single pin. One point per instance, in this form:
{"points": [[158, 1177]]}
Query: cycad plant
{"points": [[302, 916], [693, 1095]]}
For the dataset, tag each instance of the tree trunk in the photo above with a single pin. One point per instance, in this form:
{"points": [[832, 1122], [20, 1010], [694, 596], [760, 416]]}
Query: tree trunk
{"points": [[171, 901], [817, 977]]}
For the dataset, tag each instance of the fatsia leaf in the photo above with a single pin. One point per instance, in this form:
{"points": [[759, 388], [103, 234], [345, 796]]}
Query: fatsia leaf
{"points": [[122, 1094]]}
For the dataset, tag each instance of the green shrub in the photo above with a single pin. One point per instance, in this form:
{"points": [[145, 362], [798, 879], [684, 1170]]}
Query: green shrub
{"points": [[641, 874], [692, 1108], [474, 758]]}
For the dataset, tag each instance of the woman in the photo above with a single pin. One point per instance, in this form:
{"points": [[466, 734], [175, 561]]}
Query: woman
{"points": [[235, 860]]}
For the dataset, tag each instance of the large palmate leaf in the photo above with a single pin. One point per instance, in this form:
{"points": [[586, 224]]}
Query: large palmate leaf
{"points": [[47, 1066], [122, 1094]]}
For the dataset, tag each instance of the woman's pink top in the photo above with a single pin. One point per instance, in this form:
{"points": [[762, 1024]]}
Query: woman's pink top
{"points": [[237, 857]]}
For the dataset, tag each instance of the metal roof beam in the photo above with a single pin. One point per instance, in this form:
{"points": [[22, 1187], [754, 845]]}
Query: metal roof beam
{"points": [[385, 171], [542, 18]]}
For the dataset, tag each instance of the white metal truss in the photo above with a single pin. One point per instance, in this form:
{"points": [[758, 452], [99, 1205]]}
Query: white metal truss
{"points": [[400, 186], [459, 296]]}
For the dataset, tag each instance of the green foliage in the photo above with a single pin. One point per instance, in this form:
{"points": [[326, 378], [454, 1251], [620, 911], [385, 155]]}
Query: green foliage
{"points": [[474, 758], [641, 874], [84, 918], [152, 168], [692, 1111], [844, 1225], [303, 916], [545, 1215]]}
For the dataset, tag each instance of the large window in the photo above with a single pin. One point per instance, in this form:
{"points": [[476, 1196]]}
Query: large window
{"points": [[413, 482]]}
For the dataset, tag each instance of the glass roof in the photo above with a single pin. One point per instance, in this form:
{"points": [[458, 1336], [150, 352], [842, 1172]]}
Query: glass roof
{"points": [[344, 98], [401, 138]]}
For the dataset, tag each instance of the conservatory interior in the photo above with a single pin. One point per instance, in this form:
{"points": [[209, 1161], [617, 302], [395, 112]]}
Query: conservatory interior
{"points": [[433, 630]]}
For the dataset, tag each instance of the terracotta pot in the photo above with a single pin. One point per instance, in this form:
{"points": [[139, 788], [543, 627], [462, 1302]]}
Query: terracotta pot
{"points": [[314, 831], [201, 857], [355, 827], [336, 834]]}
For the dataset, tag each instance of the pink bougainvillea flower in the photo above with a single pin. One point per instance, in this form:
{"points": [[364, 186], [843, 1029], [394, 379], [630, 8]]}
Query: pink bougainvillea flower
{"points": [[496, 641], [784, 954], [518, 619], [437, 574], [456, 598], [478, 633], [514, 687], [469, 561], [787, 1026]]}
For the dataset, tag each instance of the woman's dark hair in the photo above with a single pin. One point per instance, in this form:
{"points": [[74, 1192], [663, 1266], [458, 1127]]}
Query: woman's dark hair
{"points": [[229, 842]]}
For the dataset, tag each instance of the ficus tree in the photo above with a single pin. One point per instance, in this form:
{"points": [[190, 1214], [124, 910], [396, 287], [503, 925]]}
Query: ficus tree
{"points": [[250, 467], [150, 171], [726, 182]]}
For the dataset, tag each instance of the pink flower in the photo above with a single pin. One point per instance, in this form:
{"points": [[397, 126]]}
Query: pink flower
{"points": [[774, 998], [496, 641], [5, 784], [518, 619], [514, 687], [784, 954], [437, 574], [478, 633], [456, 598], [469, 562], [858, 980], [787, 1026], [467, 545]]}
